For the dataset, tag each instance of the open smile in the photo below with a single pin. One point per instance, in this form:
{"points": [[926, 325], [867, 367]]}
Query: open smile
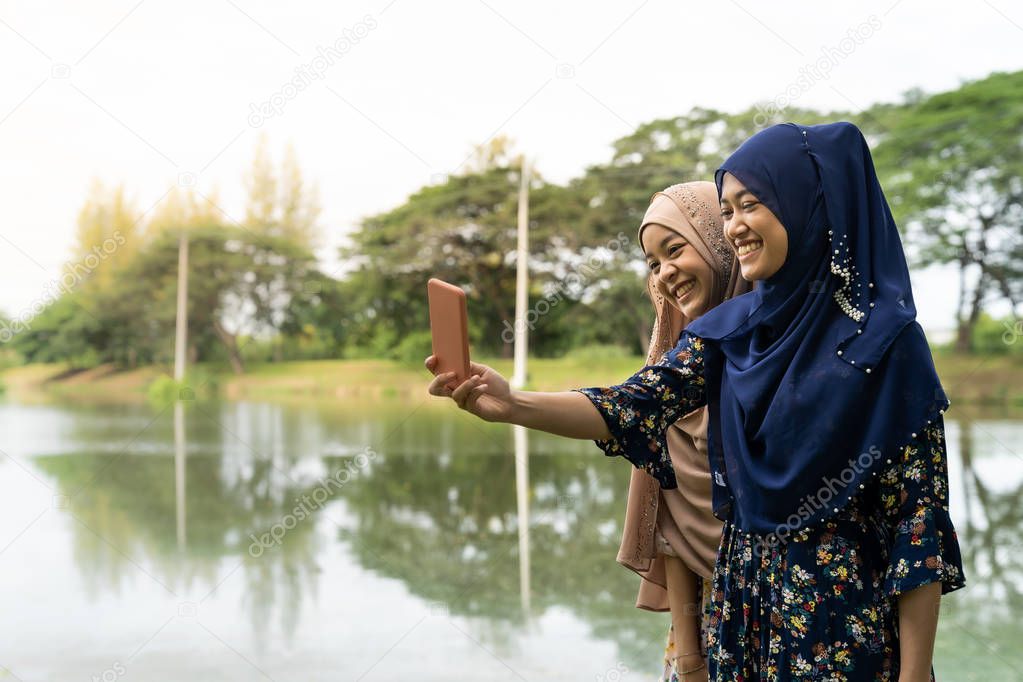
{"points": [[681, 292], [746, 247]]}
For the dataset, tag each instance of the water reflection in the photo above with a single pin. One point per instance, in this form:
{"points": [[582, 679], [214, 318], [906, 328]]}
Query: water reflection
{"points": [[130, 513], [180, 447], [981, 622], [522, 516], [323, 529]]}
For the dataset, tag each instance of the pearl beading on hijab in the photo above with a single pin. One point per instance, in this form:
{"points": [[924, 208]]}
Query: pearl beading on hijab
{"points": [[843, 295]]}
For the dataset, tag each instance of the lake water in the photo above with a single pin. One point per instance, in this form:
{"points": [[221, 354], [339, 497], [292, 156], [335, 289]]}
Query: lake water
{"points": [[248, 541]]}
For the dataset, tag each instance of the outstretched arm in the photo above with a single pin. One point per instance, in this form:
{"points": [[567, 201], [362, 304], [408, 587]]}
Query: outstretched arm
{"points": [[487, 395], [628, 420], [567, 413]]}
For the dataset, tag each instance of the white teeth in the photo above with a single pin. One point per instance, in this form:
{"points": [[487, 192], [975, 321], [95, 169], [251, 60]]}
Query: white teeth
{"points": [[749, 248], [685, 288]]}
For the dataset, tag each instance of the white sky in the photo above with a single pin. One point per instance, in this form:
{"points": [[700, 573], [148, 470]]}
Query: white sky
{"points": [[145, 93]]}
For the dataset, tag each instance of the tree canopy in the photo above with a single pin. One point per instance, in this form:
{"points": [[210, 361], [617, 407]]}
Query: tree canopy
{"points": [[951, 164]]}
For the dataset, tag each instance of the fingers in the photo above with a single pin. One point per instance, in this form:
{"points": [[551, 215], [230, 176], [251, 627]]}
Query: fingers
{"points": [[439, 385], [473, 396], [484, 372], [431, 362], [461, 394]]}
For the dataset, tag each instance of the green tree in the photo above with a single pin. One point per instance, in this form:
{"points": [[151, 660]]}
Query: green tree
{"points": [[107, 237], [117, 301], [63, 331], [462, 231], [72, 326], [952, 166], [239, 284]]}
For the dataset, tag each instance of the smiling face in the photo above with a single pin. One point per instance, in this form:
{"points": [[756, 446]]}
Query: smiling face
{"points": [[681, 275], [756, 234]]}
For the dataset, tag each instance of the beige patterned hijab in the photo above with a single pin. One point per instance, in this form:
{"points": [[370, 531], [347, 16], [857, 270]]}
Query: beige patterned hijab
{"points": [[683, 516]]}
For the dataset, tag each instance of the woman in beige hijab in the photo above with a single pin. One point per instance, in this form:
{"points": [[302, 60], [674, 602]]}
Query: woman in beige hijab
{"points": [[671, 536]]}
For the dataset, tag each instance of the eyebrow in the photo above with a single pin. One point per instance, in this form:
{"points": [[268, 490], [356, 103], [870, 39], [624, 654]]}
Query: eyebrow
{"points": [[739, 195], [670, 237]]}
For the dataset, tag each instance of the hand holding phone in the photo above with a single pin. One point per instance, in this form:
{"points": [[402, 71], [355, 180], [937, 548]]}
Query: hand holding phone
{"points": [[485, 394]]}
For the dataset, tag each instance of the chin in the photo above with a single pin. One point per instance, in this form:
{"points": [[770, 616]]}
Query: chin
{"points": [[694, 310], [753, 272]]}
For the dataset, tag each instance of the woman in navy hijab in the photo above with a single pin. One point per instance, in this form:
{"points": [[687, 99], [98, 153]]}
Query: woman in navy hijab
{"points": [[825, 429]]}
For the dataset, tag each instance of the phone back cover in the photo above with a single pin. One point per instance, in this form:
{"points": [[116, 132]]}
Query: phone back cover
{"points": [[449, 326]]}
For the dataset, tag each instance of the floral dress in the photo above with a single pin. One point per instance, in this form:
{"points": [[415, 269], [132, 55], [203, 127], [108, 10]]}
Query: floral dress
{"points": [[823, 605]]}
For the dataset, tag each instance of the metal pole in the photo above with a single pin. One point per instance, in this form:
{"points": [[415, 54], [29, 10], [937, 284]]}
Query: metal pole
{"points": [[181, 329], [522, 281]]}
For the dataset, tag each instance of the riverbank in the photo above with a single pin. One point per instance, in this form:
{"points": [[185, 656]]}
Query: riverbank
{"points": [[990, 380]]}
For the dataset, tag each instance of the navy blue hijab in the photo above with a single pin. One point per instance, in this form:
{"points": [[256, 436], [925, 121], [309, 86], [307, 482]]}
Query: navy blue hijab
{"points": [[821, 375]]}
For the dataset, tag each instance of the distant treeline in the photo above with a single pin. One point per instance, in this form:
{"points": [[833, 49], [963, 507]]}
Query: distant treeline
{"points": [[951, 164]]}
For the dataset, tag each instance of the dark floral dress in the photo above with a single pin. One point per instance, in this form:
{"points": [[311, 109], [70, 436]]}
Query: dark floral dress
{"points": [[821, 606]]}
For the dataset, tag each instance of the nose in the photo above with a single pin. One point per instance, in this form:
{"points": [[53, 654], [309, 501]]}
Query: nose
{"points": [[735, 228], [667, 272]]}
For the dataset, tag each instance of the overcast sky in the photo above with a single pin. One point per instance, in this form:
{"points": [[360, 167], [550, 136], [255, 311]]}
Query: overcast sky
{"points": [[153, 93]]}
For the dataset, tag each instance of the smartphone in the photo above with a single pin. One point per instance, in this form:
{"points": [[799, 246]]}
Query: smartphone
{"points": [[449, 328]]}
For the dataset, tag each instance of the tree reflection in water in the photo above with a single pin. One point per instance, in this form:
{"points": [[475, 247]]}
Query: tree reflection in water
{"points": [[129, 516], [437, 511], [980, 624]]}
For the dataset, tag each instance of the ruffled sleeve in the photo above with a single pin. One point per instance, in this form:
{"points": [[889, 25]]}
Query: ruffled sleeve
{"points": [[640, 410], [914, 494]]}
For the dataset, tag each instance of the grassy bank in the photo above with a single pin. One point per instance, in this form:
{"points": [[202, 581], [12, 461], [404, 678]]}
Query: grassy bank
{"points": [[320, 379], [990, 380]]}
